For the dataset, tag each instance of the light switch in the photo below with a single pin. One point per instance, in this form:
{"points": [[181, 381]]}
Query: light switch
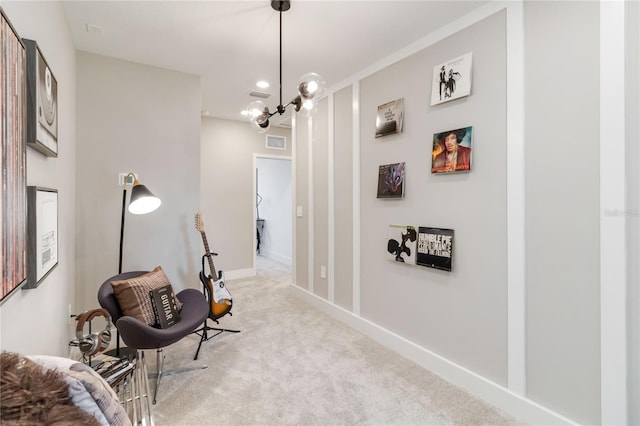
{"points": [[299, 211]]}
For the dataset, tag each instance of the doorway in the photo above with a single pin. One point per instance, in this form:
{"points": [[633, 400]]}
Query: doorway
{"points": [[273, 212]]}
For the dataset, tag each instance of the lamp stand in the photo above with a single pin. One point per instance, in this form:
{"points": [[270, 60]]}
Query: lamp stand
{"points": [[126, 351]]}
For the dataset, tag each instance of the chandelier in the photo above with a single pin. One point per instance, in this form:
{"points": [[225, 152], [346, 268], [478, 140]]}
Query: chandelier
{"points": [[311, 87]]}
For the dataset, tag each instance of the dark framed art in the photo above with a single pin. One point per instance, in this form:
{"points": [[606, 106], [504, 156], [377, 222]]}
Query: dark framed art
{"points": [[391, 180], [13, 205], [435, 248], [42, 233], [42, 102]]}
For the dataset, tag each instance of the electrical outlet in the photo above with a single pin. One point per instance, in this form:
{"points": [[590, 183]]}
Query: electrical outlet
{"points": [[123, 176]]}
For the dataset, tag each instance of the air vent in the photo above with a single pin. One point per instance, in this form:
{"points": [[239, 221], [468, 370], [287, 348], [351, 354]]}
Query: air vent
{"points": [[259, 94], [276, 142]]}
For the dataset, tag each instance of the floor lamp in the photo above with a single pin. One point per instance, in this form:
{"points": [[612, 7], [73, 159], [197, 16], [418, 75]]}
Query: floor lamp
{"points": [[142, 202]]}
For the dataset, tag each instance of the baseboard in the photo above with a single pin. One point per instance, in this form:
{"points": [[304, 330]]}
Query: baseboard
{"points": [[521, 408], [240, 273], [279, 258]]}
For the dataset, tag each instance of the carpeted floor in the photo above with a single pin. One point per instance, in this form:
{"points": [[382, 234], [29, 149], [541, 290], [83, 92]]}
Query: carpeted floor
{"points": [[293, 365]]}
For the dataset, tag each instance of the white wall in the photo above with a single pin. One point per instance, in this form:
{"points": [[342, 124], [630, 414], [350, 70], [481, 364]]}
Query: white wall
{"points": [[518, 321], [632, 27], [461, 314], [136, 118], [228, 196], [274, 186], [35, 321], [562, 239]]}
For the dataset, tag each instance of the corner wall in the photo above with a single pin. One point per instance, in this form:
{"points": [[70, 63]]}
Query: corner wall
{"points": [[136, 118]]}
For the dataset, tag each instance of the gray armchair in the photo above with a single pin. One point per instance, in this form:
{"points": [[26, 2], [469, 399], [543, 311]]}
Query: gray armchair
{"points": [[140, 336]]}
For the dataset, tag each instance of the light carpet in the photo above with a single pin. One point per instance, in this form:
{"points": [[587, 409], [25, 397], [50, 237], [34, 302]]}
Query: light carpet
{"points": [[292, 364]]}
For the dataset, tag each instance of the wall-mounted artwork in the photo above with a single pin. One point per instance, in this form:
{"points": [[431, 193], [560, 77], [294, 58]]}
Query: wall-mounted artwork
{"points": [[42, 103], [451, 80], [42, 233], [451, 151], [391, 180], [401, 244], [13, 204], [390, 118], [435, 248]]}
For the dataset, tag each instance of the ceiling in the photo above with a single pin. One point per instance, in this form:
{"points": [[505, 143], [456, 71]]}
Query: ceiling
{"points": [[231, 44]]}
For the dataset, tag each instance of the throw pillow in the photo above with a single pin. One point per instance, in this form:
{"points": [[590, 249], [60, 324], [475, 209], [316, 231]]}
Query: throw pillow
{"points": [[133, 294]]}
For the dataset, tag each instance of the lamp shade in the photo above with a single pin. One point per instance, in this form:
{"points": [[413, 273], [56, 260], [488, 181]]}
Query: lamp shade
{"points": [[259, 116], [311, 87], [142, 200]]}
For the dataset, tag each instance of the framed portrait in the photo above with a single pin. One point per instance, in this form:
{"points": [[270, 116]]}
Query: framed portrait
{"points": [[451, 151], [42, 233], [435, 248], [391, 180], [390, 118], [451, 80], [42, 102], [13, 204]]}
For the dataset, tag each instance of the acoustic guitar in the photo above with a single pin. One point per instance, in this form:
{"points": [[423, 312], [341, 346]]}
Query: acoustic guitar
{"points": [[217, 293]]}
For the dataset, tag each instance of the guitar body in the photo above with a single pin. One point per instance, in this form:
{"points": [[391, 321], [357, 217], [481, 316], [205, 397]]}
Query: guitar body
{"points": [[219, 297], [216, 310]]}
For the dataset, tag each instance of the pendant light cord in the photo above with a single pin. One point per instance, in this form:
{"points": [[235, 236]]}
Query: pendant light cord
{"points": [[280, 107]]}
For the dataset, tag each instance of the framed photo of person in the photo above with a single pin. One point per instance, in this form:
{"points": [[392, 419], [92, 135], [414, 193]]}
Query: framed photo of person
{"points": [[390, 118], [42, 102], [451, 151], [451, 80]]}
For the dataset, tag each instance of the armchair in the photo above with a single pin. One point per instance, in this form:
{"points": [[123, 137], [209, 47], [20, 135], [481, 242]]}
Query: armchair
{"points": [[140, 336]]}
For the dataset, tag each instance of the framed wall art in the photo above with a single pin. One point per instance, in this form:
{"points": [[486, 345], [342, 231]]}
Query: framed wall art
{"points": [[42, 233], [451, 151], [13, 204], [435, 248], [390, 118], [451, 80], [42, 102], [391, 180], [401, 244]]}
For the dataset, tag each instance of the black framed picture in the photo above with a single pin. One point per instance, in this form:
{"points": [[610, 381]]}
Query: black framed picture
{"points": [[13, 204], [435, 248], [42, 233], [42, 102], [391, 180]]}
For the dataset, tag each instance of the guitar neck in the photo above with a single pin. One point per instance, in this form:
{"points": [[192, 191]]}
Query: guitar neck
{"points": [[212, 268]]}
